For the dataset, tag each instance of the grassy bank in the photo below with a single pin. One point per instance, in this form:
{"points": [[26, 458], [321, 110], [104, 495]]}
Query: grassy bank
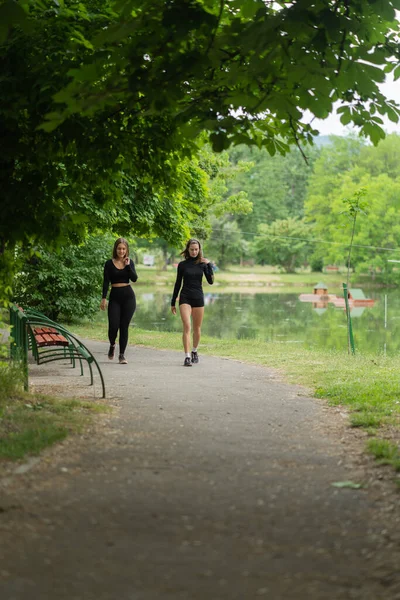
{"points": [[31, 422], [367, 385], [255, 280], [238, 277]]}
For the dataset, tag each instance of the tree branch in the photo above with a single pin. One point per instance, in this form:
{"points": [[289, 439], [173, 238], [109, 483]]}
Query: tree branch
{"points": [[344, 35], [214, 33], [297, 141]]}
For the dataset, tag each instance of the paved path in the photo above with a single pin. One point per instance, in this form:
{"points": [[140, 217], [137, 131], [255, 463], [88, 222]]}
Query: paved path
{"points": [[206, 483]]}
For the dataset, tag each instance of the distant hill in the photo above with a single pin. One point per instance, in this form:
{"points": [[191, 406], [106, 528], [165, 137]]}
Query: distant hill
{"points": [[322, 140]]}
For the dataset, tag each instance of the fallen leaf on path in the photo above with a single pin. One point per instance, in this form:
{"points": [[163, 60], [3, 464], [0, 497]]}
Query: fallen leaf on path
{"points": [[348, 484]]}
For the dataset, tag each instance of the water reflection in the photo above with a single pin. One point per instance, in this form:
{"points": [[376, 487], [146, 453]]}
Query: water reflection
{"points": [[283, 318]]}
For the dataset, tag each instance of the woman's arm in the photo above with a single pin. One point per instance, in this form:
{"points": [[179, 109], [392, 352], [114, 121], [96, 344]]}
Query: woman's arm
{"points": [[177, 285], [106, 281], [209, 273], [132, 271]]}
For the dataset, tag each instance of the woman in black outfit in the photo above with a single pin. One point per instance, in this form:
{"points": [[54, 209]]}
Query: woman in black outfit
{"points": [[122, 302], [191, 299]]}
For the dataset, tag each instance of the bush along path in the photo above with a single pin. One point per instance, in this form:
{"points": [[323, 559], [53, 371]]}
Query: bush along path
{"points": [[218, 481]]}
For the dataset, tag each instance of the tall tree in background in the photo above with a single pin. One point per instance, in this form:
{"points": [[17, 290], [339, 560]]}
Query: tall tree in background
{"points": [[219, 206], [227, 245], [284, 243], [276, 185], [377, 238], [104, 99]]}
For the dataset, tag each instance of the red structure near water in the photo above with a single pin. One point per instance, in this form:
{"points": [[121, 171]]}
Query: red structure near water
{"points": [[320, 298]]}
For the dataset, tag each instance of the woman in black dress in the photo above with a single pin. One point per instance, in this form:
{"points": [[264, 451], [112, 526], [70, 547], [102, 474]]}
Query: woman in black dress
{"points": [[191, 299], [118, 270]]}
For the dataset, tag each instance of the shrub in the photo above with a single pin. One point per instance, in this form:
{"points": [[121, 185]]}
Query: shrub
{"points": [[67, 282]]}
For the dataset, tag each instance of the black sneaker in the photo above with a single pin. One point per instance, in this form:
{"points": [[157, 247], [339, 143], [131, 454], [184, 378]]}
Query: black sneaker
{"points": [[111, 352], [188, 362], [195, 357], [122, 360]]}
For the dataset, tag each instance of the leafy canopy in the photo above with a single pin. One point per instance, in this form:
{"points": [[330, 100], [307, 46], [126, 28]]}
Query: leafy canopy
{"points": [[103, 101], [245, 70]]}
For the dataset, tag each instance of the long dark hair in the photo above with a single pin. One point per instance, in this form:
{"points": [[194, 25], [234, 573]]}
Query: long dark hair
{"points": [[117, 243], [185, 252]]}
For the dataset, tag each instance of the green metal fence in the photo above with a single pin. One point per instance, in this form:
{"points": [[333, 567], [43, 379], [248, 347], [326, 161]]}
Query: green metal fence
{"points": [[19, 340]]}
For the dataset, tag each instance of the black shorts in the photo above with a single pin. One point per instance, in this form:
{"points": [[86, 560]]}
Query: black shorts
{"points": [[193, 302]]}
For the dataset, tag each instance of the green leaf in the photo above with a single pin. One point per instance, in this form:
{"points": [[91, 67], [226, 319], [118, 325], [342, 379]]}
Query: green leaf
{"points": [[375, 73], [219, 142], [348, 484], [392, 114], [248, 8], [374, 132], [53, 120], [346, 116], [384, 9], [396, 73], [11, 14], [80, 38]]}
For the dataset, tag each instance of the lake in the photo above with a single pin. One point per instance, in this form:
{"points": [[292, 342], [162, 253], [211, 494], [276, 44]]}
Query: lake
{"points": [[283, 318]]}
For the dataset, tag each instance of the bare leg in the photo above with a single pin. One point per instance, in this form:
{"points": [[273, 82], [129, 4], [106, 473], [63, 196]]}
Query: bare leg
{"points": [[197, 316], [186, 311]]}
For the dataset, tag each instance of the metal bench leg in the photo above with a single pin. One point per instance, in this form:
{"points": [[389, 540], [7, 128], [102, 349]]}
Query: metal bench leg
{"points": [[101, 377]]}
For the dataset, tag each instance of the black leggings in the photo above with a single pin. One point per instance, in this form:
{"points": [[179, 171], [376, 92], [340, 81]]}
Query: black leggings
{"points": [[121, 306]]}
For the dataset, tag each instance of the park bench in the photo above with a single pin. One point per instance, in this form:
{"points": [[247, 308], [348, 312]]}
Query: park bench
{"points": [[48, 341]]}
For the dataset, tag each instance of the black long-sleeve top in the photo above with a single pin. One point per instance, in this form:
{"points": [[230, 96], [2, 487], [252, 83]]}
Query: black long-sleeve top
{"points": [[114, 275], [191, 272]]}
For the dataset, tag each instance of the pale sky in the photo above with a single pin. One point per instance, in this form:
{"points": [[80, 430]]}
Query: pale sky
{"points": [[333, 126]]}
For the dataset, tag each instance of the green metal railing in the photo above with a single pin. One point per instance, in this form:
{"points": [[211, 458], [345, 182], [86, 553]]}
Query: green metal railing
{"points": [[19, 340]]}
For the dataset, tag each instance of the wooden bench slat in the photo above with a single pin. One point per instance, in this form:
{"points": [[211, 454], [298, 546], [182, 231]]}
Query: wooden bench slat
{"points": [[40, 330], [61, 340], [47, 338], [51, 339]]}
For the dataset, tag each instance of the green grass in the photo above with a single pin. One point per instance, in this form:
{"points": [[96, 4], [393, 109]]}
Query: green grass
{"points": [[11, 379], [385, 452], [366, 420], [31, 441], [31, 422]]}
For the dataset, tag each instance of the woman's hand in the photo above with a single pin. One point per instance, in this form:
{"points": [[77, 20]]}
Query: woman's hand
{"points": [[204, 260], [173, 310], [103, 304], [127, 261]]}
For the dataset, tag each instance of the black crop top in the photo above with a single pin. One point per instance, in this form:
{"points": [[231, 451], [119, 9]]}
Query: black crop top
{"points": [[192, 273], [114, 275]]}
